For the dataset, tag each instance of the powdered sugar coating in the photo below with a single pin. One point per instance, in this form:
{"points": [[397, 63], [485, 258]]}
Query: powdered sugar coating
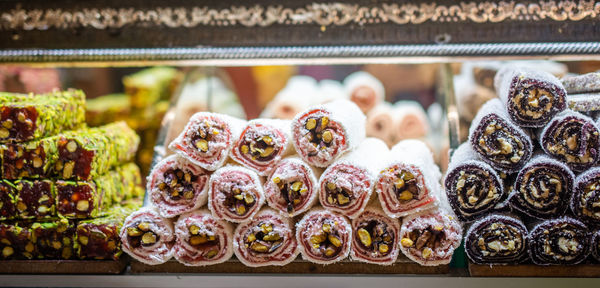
{"points": [[312, 224], [589, 102], [585, 83], [366, 100], [410, 120], [157, 253], [221, 190]]}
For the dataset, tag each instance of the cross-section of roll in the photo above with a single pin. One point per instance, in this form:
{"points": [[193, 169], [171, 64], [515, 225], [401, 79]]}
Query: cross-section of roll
{"points": [[202, 240], [410, 121], [472, 186], [542, 188], [380, 123], [292, 188], [323, 133], [572, 138], [561, 241], [176, 186], [375, 237], [324, 237], [207, 139], [531, 97], [585, 201], [497, 239], [346, 186], [262, 144], [267, 239], [409, 182], [235, 194], [497, 140], [364, 90], [596, 245], [148, 237], [430, 237]]}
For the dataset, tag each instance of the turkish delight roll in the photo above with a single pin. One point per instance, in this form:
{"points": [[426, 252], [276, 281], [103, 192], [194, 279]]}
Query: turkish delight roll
{"points": [[430, 237], [596, 245], [585, 202], [472, 186], [497, 239], [561, 241], [53, 239], [28, 117], [202, 239], [148, 237], [324, 237], [323, 133], [585, 83], [531, 97], [380, 123], [365, 90], [176, 186], [410, 120], [263, 143], [589, 102], [33, 159], [409, 181], [572, 138], [8, 198], [346, 186], [292, 187], [375, 237], [267, 239], [16, 242], [235, 194], [498, 141]]}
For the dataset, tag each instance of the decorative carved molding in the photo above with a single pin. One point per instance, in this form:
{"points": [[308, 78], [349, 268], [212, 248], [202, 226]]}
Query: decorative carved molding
{"points": [[324, 14]]}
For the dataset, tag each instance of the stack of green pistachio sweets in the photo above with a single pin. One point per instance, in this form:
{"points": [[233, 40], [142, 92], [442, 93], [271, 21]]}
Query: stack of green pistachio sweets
{"points": [[64, 188], [143, 105]]}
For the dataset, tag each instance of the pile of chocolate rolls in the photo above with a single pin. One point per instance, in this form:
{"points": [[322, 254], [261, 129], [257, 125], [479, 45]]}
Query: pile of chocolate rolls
{"points": [[527, 181], [268, 190]]}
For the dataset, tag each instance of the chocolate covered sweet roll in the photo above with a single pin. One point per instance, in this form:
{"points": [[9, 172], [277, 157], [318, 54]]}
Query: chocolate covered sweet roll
{"points": [[375, 237], [542, 188], [561, 241], [472, 186], [497, 239], [531, 97], [585, 201], [268, 239], [430, 237], [202, 240], [596, 245], [235, 194], [498, 141], [324, 237], [572, 138], [148, 237]]}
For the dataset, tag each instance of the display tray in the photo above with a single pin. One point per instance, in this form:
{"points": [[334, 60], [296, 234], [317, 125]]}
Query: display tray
{"points": [[402, 266], [530, 270], [63, 266]]}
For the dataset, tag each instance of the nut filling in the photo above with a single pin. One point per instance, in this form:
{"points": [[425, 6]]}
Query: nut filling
{"points": [[561, 243], [139, 234], [533, 103], [262, 239], [239, 202], [204, 241], [71, 157], [573, 142], [500, 144], [406, 187], [476, 189], [327, 241], [339, 196], [21, 163], [542, 189], [206, 130], [293, 192], [320, 134], [426, 240], [375, 236], [261, 148], [500, 240], [589, 201], [18, 123], [178, 184]]}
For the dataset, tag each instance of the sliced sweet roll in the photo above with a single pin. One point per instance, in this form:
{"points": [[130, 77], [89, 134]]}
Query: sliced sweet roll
{"points": [[263, 143], [497, 239], [364, 90], [596, 245], [542, 188], [176, 186], [323, 133], [531, 97], [585, 83], [323, 237], [207, 139], [409, 181], [472, 186], [235, 194], [572, 138], [267, 239], [292, 187], [499, 142], [561, 241], [375, 237], [148, 237], [430, 237], [585, 201], [346, 186], [202, 240]]}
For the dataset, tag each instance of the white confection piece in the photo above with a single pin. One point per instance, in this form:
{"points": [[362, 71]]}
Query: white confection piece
{"points": [[157, 253], [410, 120], [374, 211], [298, 94], [360, 79], [311, 224], [330, 90], [380, 123]]}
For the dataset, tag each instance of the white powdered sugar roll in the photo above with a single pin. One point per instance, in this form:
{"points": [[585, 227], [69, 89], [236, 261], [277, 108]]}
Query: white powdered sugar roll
{"points": [[158, 229], [323, 237], [365, 90], [375, 244], [410, 121]]}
